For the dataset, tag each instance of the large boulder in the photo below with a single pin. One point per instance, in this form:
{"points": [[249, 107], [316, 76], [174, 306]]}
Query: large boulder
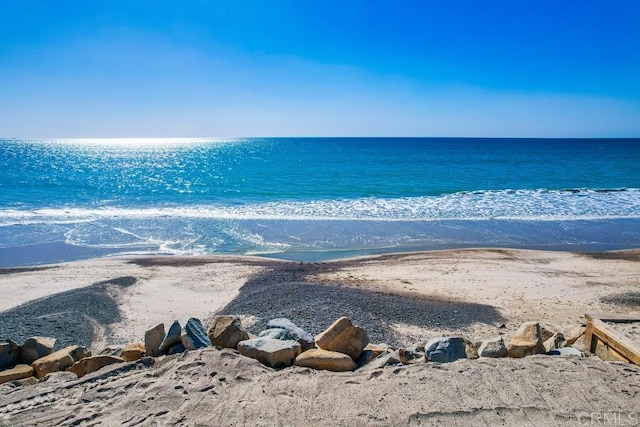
{"points": [[303, 337], [446, 349], [327, 360], [91, 364], [59, 360], [152, 340], [173, 337], [529, 339], [342, 336], [18, 372], [226, 331], [132, 351], [271, 352], [36, 347], [494, 347], [195, 336], [9, 354]]}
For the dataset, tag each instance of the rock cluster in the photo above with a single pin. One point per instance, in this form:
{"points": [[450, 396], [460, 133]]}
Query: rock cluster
{"points": [[341, 347]]}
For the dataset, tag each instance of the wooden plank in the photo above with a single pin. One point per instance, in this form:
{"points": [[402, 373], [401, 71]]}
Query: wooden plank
{"points": [[604, 352], [616, 340], [613, 317], [588, 336]]}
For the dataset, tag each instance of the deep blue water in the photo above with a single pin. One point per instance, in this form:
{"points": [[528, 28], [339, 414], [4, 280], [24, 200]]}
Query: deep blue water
{"points": [[313, 198]]}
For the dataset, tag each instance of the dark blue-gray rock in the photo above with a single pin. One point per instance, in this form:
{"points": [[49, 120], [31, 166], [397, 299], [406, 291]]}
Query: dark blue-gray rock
{"points": [[226, 331], [446, 349], [9, 354], [276, 334], [271, 352], [565, 351], [172, 337], [36, 347], [152, 340], [494, 347], [195, 336], [176, 349], [386, 358], [305, 339]]}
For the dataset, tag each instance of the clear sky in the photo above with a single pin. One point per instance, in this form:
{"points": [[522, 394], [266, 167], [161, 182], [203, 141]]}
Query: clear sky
{"points": [[218, 68]]}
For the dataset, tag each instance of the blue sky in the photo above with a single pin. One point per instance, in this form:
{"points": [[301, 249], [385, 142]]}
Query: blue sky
{"points": [[319, 68]]}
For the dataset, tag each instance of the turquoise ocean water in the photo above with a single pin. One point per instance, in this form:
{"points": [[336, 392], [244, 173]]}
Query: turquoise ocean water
{"points": [[313, 198]]}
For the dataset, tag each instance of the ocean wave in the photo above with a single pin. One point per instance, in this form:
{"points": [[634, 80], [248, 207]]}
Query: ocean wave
{"points": [[535, 205]]}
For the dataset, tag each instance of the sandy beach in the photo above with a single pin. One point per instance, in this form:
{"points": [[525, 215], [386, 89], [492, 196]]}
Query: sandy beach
{"points": [[398, 298]]}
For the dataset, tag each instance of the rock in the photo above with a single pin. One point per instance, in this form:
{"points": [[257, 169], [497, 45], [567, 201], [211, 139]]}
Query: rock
{"points": [[271, 352], [18, 372], [59, 360], [176, 349], [26, 381], [276, 334], [342, 336], [91, 364], [173, 337], [387, 358], [226, 331], [36, 347], [470, 349], [152, 340], [556, 341], [565, 351], [409, 357], [194, 336], [529, 339], [327, 360], [574, 334], [370, 352], [133, 351], [9, 354], [112, 350], [494, 347], [447, 349], [303, 337]]}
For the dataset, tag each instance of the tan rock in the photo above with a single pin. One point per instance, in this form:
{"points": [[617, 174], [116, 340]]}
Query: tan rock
{"points": [[556, 341], [18, 372], [328, 360], [371, 351], [226, 331], [133, 351], [342, 336], [271, 352], [152, 340], [59, 360], [529, 339], [574, 334], [36, 347], [91, 364]]}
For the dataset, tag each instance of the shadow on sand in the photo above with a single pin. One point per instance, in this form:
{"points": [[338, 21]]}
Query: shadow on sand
{"points": [[66, 316], [286, 290]]}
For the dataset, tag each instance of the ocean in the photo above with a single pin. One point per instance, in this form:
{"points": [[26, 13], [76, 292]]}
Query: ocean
{"points": [[310, 199]]}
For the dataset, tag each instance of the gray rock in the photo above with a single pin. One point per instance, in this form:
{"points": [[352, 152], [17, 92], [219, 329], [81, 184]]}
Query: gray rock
{"points": [[303, 337], [446, 349], [276, 334], [36, 347], [152, 340], [494, 347], [565, 351], [173, 337], [226, 331], [387, 358], [9, 354], [195, 336], [271, 352]]}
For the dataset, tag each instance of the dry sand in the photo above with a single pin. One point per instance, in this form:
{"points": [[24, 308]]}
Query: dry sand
{"points": [[398, 298]]}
